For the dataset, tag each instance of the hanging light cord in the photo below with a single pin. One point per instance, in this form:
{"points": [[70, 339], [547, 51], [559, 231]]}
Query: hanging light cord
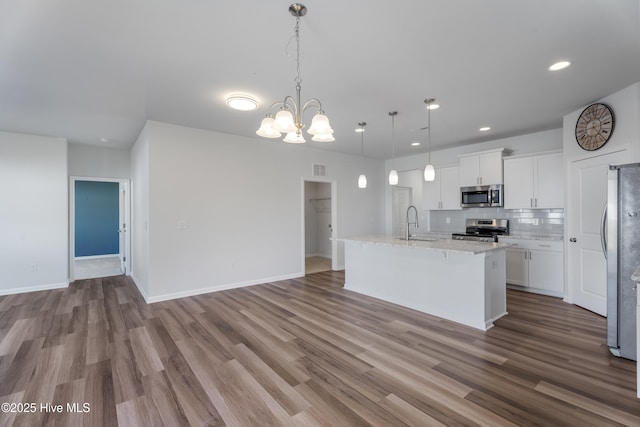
{"points": [[429, 128], [297, 31], [393, 137], [362, 145]]}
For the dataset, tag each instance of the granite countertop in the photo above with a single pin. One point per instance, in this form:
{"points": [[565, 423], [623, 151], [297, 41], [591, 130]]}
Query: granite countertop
{"points": [[446, 245], [534, 237]]}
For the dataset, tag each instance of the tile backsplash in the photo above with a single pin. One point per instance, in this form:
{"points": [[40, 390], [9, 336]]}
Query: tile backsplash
{"points": [[521, 221]]}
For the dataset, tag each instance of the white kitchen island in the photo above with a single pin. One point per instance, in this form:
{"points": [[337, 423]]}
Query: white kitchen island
{"points": [[463, 281]]}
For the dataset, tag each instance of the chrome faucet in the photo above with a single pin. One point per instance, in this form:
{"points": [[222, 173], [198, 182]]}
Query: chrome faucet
{"points": [[406, 236]]}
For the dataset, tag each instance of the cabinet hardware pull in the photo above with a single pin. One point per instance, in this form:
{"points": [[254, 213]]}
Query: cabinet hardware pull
{"points": [[573, 240], [531, 202]]}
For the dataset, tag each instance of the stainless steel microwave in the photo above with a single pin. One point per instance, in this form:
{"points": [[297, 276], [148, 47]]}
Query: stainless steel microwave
{"points": [[481, 196]]}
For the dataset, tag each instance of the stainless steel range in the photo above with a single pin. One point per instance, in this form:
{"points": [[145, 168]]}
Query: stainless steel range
{"points": [[483, 230]]}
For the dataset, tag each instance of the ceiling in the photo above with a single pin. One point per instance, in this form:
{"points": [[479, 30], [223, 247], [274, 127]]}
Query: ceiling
{"points": [[95, 71]]}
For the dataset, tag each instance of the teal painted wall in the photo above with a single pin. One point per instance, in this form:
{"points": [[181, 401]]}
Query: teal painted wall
{"points": [[96, 211]]}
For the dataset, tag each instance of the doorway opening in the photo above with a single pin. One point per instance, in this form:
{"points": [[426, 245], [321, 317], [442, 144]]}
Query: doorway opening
{"points": [[319, 226], [98, 236], [401, 200]]}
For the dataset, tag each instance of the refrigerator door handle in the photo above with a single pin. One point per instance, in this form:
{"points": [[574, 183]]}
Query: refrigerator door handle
{"points": [[603, 231]]}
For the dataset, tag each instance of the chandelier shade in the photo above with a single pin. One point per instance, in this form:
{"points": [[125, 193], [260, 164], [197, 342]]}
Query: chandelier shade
{"points": [[266, 128], [290, 117], [294, 138]]}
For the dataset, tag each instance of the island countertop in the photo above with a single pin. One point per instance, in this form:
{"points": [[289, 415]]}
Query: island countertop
{"points": [[448, 245]]}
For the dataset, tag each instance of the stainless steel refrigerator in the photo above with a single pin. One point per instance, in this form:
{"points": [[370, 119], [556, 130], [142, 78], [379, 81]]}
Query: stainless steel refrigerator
{"points": [[622, 249]]}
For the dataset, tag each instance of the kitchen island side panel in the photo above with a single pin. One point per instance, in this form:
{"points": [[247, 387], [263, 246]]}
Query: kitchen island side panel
{"points": [[452, 285]]}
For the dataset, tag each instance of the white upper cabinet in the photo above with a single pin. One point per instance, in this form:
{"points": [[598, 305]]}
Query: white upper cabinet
{"points": [[481, 168], [444, 192], [535, 182]]}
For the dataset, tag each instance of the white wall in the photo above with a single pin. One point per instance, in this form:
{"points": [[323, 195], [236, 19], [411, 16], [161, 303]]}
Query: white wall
{"points": [[524, 144], [140, 212], [226, 211], [98, 162], [33, 213]]}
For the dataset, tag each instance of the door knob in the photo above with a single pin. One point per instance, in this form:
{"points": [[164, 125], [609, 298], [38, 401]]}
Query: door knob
{"points": [[573, 240]]}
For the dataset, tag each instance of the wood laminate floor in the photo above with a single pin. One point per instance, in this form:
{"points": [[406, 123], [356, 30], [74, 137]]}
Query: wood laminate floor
{"points": [[301, 352]]}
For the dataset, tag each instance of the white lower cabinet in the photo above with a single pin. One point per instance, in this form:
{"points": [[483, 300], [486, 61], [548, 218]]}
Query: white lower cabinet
{"points": [[535, 265]]}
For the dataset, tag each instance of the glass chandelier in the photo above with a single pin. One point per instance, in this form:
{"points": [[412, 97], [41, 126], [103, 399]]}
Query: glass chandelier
{"points": [[288, 120]]}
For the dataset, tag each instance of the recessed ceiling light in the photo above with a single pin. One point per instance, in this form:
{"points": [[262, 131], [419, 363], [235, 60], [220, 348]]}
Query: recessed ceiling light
{"points": [[242, 102], [559, 65], [484, 129], [433, 106], [415, 143]]}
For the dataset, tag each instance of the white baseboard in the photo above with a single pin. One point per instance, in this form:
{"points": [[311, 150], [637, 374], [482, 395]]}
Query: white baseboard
{"points": [[38, 288], [216, 288], [536, 290], [137, 283], [318, 254]]}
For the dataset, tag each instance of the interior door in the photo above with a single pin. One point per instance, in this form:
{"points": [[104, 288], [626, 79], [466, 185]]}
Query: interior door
{"points": [[122, 231], [586, 263]]}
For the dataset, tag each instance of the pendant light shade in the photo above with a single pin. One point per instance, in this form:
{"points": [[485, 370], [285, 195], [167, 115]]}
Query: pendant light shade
{"points": [[393, 173], [393, 177], [429, 171], [362, 181]]}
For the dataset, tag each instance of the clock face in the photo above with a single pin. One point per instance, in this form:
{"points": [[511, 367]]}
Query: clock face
{"points": [[594, 126]]}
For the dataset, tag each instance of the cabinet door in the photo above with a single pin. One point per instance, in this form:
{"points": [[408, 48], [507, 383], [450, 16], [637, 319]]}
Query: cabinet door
{"points": [[469, 171], [449, 187], [490, 168], [549, 181], [517, 267], [546, 270], [518, 183], [431, 193]]}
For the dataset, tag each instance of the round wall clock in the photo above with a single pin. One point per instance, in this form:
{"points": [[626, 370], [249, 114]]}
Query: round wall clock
{"points": [[594, 126]]}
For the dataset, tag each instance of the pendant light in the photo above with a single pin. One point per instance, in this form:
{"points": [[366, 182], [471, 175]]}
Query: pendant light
{"points": [[429, 171], [393, 174], [362, 179]]}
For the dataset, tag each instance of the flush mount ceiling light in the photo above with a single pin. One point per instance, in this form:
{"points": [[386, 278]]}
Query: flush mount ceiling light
{"points": [[362, 179], [242, 102], [429, 170], [289, 118], [559, 65], [393, 173], [415, 143], [484, 129]]}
